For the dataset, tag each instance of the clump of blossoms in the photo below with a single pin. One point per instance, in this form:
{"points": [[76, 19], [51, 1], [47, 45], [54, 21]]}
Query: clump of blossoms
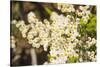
{"points": [[82, 14], [87, 54], [64, 33], [35, 32], [81, 11], [60, 33], [66, 7]]}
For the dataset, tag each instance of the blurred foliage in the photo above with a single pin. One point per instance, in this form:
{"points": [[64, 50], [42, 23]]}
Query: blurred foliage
{"points": [[91, 26], [88, 28], [72, 59], [15, 31]]}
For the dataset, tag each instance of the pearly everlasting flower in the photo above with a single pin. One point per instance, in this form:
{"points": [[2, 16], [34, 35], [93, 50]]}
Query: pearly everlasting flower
{"points": [[60, 33]]}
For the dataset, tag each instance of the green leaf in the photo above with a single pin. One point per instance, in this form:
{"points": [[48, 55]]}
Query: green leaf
{"points": [[72, 59]]}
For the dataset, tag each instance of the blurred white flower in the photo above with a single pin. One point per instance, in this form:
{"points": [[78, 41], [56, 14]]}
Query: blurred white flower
{"points": [[31, 17], [14, 22], [13, 41], [65, 7], [20, 23]]}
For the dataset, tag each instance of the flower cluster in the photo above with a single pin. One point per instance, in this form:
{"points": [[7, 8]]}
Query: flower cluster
{"points": [[60, 32], [83, 12], [64, 33], [87, 54], [65, 7], [36, 32]]}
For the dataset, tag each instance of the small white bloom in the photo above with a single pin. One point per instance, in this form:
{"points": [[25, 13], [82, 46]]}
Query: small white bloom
{"points": [[14, 22]]}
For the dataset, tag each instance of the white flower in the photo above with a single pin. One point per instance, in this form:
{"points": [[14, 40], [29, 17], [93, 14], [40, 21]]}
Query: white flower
{"points": [[36, 39], [53, 16], [93, 41], [14, 22], [81, 59], [13, 41], [89, 38], [20, 23], [45, 46], [31, 17], [30, 36], [77, 20], [65, 7]]}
